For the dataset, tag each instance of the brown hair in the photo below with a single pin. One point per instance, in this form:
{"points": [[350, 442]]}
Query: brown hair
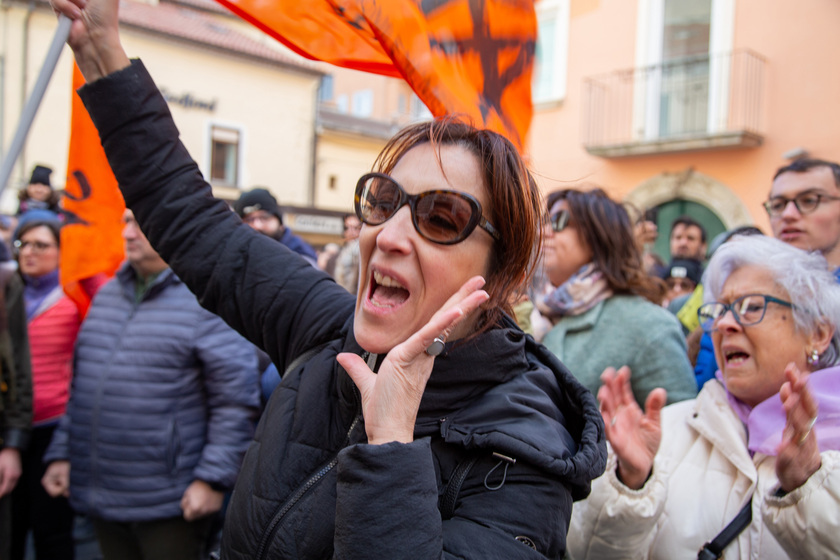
{"points": [[806, 164], [607, 230], [54, 227], [53, 200], [514, 202]]}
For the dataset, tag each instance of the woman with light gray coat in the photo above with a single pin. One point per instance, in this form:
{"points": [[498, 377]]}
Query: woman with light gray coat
{"points": [[762, 438]]}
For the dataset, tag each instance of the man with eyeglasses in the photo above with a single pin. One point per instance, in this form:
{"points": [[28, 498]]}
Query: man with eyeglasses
{"points": [[804, 210], [347, 261]]}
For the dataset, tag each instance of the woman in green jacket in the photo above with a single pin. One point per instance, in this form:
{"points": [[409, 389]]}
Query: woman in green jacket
{"points": [[602, 305]]}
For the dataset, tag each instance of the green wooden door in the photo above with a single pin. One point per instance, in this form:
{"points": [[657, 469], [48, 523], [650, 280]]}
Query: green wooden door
{"points": [[668, 212]]}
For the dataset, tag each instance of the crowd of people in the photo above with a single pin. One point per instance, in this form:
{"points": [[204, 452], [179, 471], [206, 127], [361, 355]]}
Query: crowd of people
{"points": [[472, 360]]}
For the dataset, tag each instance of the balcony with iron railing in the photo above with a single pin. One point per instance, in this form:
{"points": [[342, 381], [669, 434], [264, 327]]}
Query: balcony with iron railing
{"points": [[698, 103]]}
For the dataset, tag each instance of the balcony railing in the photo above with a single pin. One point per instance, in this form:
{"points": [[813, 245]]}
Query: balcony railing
{"points": [[697, 103]]}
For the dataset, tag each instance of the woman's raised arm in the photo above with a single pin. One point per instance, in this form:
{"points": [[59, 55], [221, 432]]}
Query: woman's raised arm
{"points": [[94, 36]]}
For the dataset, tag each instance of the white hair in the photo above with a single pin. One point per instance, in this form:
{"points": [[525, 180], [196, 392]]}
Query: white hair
{"points": [[811, 287]]}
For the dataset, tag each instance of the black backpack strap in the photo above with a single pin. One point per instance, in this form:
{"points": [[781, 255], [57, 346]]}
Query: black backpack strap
{"points": [[714, 550], [305, 357], [446, 504]]}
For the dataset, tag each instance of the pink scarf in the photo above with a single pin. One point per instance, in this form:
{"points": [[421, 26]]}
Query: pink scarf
{"points": [[584, 290]]}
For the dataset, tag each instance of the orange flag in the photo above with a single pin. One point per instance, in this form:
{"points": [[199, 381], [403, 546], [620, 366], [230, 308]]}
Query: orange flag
{"points": [[472, 57], [91, 239]]}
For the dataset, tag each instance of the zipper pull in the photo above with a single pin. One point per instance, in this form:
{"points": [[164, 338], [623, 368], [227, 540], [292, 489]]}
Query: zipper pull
{"points": [[443, 426], [508, 461]]}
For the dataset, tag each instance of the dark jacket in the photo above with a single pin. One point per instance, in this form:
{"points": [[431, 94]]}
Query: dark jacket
{"points": [[15, 366], [505, 438], [298, 245], [164, 393]]}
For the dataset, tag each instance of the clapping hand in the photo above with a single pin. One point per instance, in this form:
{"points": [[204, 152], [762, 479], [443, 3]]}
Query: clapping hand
{"points": [[391, 398], [634, 435], [798, 454]]}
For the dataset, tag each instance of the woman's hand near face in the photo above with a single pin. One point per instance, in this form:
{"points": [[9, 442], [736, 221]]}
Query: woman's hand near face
{"points": [[94, 36], [391, 398], [798, 454], [634, 435]]}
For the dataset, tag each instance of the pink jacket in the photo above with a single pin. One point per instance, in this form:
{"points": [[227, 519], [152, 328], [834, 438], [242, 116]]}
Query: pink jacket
{"points": [[52, 335]]}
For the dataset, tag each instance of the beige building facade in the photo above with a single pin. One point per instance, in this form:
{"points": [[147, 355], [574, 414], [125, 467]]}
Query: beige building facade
{"points": [[251, 112], [245, 108]]}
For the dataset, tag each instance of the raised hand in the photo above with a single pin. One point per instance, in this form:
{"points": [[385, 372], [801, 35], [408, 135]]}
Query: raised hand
{"points": [[94, 35], [391, 398], [798, 454], [634, 435]]}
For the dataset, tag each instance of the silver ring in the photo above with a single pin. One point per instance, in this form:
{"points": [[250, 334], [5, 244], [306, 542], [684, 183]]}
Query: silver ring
{"points": [[807, 431], [436, 347]]}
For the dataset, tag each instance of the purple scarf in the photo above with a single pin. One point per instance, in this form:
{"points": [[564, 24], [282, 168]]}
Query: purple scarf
{"points": [[766, 421], [36, 289]]}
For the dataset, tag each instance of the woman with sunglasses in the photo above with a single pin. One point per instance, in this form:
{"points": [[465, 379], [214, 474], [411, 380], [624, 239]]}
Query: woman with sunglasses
{"points": [[761, 439], [602, 306], [413, 420]]}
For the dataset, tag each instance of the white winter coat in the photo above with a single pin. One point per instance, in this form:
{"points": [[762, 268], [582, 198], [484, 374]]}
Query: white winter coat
{"points": [[702, 476]]}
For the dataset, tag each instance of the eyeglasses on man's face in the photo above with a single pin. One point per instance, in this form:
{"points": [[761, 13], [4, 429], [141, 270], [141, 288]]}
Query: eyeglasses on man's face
{"points": [[747, 310], [559, 220], [258, 216], [805, 202], [440, 216], [37, 247]]}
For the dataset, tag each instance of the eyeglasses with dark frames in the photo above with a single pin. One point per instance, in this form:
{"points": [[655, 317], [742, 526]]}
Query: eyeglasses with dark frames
{"points": [[559, 220], [440, 216], [805, 202], [748, 310]]}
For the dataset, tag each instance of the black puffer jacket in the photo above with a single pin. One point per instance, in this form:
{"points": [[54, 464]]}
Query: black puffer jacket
{"points": [[505, 438]]}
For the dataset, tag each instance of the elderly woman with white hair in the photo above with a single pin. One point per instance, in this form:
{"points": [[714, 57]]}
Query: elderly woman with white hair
{"points": [[757, 451]]}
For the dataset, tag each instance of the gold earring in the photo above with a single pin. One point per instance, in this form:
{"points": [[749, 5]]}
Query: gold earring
{"points": [[814, 358]]}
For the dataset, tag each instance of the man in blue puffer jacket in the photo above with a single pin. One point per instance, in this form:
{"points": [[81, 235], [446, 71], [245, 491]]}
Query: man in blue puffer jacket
{"points": [[163, 406]]}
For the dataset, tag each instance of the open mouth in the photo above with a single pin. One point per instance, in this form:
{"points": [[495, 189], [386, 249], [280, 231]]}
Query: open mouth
{"points": [[386, 292], [735, 357]]}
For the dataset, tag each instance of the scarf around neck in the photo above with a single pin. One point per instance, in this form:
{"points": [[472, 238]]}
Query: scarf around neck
{"points": [[35, 291], [584, 290], [766, 421]]}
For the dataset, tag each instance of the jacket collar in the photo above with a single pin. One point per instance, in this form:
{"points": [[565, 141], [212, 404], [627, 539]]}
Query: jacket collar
{"points": [[585, 321], [504, 392], [127, 277], [715, 421]]}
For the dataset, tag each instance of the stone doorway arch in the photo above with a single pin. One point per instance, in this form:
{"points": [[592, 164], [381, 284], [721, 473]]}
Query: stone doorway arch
{"points": [[693, 186]]}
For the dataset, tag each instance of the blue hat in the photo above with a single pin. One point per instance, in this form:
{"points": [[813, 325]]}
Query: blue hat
{"points": [[36, 215]]}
